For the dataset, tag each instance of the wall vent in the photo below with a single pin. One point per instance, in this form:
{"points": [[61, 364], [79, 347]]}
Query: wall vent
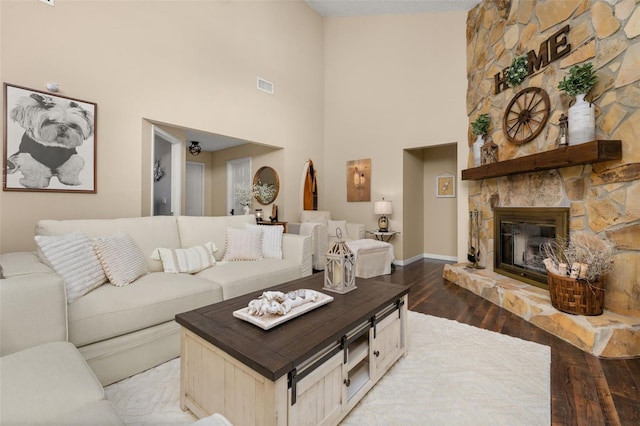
{"points": [[265, 86]]}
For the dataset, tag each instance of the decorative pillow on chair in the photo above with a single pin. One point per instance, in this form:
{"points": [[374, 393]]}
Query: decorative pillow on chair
{"points": [[334, 225], [189, 260], [243, 244], [73, 257], [121, 258], [271, 240]]}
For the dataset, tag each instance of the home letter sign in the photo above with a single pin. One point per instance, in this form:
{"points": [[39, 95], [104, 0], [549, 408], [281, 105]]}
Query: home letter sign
{"points": [[553, 48]]}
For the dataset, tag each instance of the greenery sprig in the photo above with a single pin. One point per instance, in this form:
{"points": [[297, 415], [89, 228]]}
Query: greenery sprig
{"points": [[481, 125], [517, 71], [580, 80]]}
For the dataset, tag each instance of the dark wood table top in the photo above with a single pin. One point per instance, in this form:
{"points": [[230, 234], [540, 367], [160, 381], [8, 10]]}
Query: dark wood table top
{"points": [[275, 352]]}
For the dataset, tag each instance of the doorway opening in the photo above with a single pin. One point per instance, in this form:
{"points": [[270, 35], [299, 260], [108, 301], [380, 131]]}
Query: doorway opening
{"points": [[167, 157]]}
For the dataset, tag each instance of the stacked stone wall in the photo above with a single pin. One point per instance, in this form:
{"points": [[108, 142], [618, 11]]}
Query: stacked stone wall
{"points": [[604, 198]]}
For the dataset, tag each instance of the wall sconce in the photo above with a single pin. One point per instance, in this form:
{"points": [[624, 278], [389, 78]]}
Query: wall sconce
{"points": [[383, 208], [195, 148], [340, 271]]}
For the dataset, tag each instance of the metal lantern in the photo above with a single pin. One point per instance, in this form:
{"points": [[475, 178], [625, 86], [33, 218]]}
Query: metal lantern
{"points": [[340, 271]]}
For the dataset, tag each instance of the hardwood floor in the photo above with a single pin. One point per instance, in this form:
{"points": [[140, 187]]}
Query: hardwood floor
{"points": [[585, 390]]}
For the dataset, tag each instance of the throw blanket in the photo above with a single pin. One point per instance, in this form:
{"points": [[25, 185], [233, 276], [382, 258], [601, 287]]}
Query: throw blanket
{"points": [[367, 244]]}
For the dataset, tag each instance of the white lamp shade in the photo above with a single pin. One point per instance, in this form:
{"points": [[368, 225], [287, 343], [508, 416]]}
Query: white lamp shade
{"points": [[382, 207]]}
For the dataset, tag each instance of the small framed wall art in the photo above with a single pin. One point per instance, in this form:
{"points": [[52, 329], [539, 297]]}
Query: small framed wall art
{"points": [[49, 142], [446, 186], [359, 180]]}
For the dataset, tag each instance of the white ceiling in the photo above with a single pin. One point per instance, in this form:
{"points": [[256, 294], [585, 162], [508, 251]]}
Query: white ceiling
{"points": [[213, 142], [384, 7]]}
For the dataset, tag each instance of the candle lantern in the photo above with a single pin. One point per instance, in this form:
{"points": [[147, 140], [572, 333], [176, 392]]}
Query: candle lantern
{"points": [[340, 271]]}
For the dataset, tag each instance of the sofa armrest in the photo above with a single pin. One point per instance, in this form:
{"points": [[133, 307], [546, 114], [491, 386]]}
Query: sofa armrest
{"points": [[298, 249], [33, 305], [355, 231]]}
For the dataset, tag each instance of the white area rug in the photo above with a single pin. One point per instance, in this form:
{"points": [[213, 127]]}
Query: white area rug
{"points": [[454, 374]]}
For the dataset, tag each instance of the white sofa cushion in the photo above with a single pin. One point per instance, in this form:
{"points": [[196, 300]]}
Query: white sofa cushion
{"points": [[73, 257], [238, 278], [197, 230], [43, 384], [189, 260], [243, 244], [111, 311], [121, 258], [148, 232]]}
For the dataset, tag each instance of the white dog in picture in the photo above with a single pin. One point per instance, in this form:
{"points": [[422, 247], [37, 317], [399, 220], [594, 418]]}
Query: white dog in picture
{"points": [[54, 128]]}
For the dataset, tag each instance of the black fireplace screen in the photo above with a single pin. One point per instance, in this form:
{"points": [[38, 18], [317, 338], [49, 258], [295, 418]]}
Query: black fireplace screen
{"points": [[518, 236]]}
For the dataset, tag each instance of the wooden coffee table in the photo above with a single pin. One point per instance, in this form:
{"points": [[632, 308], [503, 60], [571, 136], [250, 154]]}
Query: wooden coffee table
{"points": [[312, 369]]}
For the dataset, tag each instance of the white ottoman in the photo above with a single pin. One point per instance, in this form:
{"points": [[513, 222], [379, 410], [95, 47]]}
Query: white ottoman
{"points": [[373, 258]]}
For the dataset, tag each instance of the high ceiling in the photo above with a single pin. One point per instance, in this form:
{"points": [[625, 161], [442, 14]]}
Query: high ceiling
{"points": [[213, 142], [384, 7]]}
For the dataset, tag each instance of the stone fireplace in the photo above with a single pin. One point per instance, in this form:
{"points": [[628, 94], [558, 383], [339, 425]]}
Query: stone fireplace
{"points": [[603, 196], [520, 233]]}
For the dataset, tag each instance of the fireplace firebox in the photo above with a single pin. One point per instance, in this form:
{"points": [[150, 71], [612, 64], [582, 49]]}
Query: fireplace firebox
{"points": [[519, 233]]}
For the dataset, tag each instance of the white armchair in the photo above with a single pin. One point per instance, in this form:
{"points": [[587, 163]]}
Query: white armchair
{"points": [[322, 229]]}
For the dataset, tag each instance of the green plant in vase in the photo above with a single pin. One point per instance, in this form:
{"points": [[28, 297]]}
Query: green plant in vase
{"points": [[580, 80], [480, 128], [582, 121]]}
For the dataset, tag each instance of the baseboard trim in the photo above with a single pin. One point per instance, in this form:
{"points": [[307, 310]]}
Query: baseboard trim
{"points": [[405, 262]]}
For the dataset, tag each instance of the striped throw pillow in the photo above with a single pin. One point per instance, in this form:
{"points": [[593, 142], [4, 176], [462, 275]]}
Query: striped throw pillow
{"points": [[189, 260], [271, 240], [72, 256], [121, 258]]}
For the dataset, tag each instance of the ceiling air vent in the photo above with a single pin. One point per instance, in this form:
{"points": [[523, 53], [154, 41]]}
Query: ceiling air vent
{"points": [[265, 86]]}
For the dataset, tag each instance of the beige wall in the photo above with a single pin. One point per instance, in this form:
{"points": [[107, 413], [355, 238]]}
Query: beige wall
{"points": [[392, 83], [191, 64], [440, 214], [413, 208]]}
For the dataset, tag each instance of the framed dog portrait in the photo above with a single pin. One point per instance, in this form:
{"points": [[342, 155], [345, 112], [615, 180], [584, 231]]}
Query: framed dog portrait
{"points": [[49, 142]]}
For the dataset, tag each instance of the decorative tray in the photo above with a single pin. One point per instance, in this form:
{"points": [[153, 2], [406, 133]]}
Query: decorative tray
{"points": [[266, 322]]}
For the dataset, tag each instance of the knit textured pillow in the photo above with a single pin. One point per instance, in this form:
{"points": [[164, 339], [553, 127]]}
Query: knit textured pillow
{"points": [[72, 256], [188, 261], [243, 244], [121, 258]]}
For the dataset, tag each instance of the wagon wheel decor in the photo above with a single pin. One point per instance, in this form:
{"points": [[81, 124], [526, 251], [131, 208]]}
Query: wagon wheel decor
{"points": [[526, 115]]}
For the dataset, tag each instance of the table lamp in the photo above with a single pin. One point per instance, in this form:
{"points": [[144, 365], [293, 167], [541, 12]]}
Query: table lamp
{"points": [[383, 208]]}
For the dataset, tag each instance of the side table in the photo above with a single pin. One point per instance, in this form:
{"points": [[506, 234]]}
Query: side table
{"points": [[383, 236]]}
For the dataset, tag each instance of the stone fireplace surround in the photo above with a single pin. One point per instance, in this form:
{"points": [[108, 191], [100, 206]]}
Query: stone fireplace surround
{"points": [[603, 198]]}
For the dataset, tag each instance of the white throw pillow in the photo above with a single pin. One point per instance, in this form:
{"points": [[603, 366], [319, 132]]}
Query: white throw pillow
{"points": [[121, 258], [334, 225], [243, 244], [189, 260], [271, 240], [73, 257]]}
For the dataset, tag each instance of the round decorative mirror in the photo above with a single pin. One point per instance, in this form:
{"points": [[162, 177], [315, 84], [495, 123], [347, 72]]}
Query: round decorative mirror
{"points": [[266, 185]]}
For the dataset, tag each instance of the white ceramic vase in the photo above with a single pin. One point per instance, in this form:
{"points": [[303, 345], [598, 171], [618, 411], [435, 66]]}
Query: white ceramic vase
{"points": [[477, 151], [246, 209], [582, 121]]}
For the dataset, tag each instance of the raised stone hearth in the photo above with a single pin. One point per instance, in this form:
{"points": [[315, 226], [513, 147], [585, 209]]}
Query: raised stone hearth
{"points": [[609, 335]]}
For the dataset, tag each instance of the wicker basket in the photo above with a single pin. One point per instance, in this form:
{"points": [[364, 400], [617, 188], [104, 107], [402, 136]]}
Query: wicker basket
{"points": [[576, 296]]}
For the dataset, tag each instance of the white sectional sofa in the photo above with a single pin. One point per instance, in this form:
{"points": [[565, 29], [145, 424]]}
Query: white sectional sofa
{"points": [[57, 356], [121, 331]]}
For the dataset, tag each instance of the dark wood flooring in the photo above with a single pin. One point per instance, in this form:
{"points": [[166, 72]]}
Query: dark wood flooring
{"points": [[585, 390]]}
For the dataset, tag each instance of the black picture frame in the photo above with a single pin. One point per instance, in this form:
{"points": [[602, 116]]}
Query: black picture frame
{"points": [[49, 142]]}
